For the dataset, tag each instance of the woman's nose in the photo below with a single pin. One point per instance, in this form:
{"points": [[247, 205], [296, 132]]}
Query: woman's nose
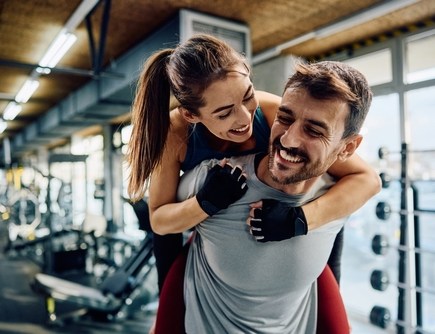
{"points": [[244, 114]]}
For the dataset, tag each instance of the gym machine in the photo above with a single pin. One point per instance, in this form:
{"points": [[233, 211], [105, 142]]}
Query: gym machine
{"points": [[110, 300]]}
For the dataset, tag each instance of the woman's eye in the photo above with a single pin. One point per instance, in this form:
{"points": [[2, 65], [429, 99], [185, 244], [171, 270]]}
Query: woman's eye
{"points": [[223, 116], [250, 97]]}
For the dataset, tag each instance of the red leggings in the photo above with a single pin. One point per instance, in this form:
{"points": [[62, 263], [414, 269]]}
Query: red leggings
{"points": [[332, 318]]}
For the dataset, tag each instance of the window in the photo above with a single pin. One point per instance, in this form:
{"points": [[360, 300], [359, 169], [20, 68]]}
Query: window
{"points": [[376, 66], [420, 59]]}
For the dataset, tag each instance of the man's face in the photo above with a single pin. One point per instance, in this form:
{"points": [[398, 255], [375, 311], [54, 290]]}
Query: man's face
{"points": [[305, 136]]}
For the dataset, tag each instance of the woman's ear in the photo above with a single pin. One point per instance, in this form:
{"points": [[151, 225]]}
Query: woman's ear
{"points": [[350, 147], [188, 116]]}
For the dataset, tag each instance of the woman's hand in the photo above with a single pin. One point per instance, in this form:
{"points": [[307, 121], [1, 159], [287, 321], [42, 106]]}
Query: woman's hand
{"points": [[223, 186], [271, 220]]}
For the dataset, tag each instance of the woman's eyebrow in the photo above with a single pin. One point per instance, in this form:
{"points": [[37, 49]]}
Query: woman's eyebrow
{"points": [[222, 108], [248, 91]]}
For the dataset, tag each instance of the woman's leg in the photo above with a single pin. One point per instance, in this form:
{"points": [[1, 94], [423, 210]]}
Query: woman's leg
{"points": [[334, 261], [170, 313], [166, 250], [332, 317]]}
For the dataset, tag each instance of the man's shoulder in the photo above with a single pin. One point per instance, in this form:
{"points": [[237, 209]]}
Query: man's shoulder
{"points": [[321, 186]]}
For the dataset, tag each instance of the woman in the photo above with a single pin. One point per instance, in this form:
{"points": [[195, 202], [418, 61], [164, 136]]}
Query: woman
{"points": [[212, 121]]}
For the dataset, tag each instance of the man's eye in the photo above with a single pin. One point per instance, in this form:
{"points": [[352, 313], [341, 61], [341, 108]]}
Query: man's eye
{"points": [[314, 133], [284, 120]]}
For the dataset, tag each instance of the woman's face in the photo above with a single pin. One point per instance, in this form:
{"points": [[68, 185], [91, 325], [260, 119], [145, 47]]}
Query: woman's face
{"points": [[229, 107]]}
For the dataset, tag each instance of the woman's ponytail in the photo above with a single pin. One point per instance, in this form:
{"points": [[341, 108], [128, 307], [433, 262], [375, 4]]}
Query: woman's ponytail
{"points": [[150, 121]]}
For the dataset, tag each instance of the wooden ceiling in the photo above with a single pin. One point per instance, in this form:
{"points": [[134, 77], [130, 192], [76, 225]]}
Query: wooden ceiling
{"points": [[27, 27]]}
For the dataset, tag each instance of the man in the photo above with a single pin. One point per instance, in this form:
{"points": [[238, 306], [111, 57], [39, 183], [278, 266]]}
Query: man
{"points": [[237, 282]]}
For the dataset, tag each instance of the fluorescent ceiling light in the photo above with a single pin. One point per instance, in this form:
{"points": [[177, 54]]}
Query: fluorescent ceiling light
{"points": [[57, 49], [43, 70], [11, 111], [27, 90], [3, 125]]}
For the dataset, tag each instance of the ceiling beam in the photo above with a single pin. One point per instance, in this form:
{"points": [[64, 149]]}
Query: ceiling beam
{"points": [[62, 70]]}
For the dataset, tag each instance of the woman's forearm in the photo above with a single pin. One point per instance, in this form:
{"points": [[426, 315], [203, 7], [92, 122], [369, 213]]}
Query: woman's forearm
{"points": [[348, 195], [177, 217]]}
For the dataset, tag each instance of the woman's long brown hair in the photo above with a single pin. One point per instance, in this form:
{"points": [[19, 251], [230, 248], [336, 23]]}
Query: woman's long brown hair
{"points": [[186, 72]]}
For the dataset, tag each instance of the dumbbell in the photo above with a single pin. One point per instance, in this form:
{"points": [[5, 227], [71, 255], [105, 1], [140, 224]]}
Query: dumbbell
{"points": [[385, 180], [380, 280], [384, 152], [384, 211], [380, 316], [380, 246]]}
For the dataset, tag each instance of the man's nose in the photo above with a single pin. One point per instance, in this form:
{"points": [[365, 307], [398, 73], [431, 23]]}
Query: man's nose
{"points": [[293, 137]]}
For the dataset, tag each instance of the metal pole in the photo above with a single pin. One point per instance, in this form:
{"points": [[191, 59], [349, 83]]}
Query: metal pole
{"points": [[419, 294], [407, 297]]}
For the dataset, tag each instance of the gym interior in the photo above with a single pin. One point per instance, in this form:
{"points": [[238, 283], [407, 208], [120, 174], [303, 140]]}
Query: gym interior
{"points": [[76, 253]]}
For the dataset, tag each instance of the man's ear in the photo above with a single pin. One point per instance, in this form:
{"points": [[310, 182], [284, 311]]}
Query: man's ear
{"points": [[351, 144], [188, 116]]}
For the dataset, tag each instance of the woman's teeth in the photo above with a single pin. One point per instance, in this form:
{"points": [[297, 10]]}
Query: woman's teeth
{"points": [[241, 129]]}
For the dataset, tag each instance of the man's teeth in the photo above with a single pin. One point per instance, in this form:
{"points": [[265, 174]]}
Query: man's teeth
{"points": [[241, 129], [289, 157]]}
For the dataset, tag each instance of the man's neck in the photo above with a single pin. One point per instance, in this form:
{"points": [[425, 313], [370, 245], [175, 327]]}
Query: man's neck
{"points": [[263, 174]]}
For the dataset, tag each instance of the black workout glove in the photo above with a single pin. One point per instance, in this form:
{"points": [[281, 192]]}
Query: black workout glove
{"points": [[222, 187], [278, 221]]}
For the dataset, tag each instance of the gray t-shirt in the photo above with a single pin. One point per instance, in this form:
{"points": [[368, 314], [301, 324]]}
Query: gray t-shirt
{"points": [[234, 284]]}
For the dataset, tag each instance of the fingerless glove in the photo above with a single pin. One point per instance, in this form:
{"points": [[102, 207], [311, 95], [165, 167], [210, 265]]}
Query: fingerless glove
{"points": [[277, 221], [222, 187]]}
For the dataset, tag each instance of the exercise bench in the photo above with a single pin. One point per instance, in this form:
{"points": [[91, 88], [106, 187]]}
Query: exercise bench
{"points": [[108, 301]]}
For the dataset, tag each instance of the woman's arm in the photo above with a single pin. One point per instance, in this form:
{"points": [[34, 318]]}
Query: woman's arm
{"points": [[166, 215], [269, 104], [357, 183]]}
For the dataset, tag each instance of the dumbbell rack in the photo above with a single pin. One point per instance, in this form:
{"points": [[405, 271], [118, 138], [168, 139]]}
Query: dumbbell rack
{"points": [[409, 283]]}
